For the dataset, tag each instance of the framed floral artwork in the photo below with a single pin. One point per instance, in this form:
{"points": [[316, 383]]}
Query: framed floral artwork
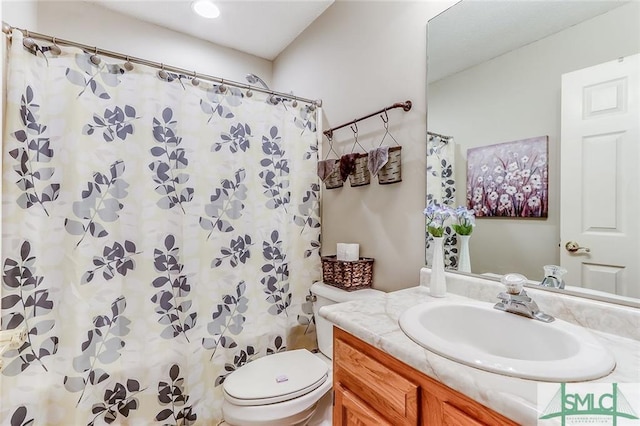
{"points": [[509, 179]]}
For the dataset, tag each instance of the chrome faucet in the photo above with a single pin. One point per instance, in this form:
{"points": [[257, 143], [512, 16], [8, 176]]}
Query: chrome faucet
{"points": [[516, 301], [553, 276]]}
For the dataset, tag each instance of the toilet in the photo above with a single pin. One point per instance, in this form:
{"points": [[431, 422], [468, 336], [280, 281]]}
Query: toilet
{"points": [[286, 388]]}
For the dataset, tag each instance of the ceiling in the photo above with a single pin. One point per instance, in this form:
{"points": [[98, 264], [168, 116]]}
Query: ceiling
{"points": [[473, 31], [262, 28], [468, 33]]}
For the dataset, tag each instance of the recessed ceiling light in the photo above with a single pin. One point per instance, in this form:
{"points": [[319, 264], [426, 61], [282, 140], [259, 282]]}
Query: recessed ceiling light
{"points": [[205, 8]]}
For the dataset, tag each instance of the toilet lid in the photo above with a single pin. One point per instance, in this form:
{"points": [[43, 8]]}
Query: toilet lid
{"points": [[275, 378]]}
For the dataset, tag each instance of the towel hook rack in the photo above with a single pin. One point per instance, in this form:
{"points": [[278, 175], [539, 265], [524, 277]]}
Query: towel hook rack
{"points": [[406, 106]]}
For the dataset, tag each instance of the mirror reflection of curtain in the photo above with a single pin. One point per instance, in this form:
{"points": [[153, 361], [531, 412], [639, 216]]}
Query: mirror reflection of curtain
{"points": [[441, 189], [156, 237]]}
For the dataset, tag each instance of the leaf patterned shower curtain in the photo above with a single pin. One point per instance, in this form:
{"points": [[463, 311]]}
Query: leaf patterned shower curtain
{"points": [[156, 235], [441, 189]]}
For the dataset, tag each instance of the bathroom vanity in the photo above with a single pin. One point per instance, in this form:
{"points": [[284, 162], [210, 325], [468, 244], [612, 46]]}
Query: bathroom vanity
{"points": [[381, 376], [366, 377]]}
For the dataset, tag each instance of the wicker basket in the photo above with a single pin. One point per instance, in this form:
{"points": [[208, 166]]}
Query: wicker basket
{"points": [[334, 180], [360, 175], [392, 171], [348, 276]]}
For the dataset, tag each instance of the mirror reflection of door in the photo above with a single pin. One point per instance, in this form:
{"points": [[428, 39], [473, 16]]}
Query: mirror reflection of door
{"points": [[600, 157]]}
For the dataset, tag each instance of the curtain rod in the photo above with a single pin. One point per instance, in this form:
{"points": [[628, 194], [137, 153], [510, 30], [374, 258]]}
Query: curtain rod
{"points": [[6, 28], [439, 135], [404, 105]]}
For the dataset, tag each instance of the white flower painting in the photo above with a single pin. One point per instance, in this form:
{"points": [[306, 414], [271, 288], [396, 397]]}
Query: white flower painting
{"points": [[509, 179]]}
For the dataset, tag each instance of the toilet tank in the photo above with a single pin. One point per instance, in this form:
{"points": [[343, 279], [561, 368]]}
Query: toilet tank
{"points": [[328, 295]]}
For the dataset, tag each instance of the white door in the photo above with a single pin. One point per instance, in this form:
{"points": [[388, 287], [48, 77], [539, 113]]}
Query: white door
{"points": [[600, 178]]}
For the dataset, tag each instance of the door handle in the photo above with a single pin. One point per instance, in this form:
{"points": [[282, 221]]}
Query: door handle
{"points": [[574, 247]]}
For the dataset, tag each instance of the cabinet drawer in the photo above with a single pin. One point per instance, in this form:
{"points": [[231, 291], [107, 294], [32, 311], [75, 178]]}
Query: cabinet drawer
{"points": [[380, 387]]}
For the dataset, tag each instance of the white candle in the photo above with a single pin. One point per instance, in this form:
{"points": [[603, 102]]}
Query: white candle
{"points": [[348, 252]]}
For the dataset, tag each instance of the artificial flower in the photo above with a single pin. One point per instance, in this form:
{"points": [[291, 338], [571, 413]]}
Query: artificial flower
{"points": [[436, 215], [465, 220]]}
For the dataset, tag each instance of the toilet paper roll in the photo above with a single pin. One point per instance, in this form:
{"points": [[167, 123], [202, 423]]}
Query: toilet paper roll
{"points": [[348, 252]]}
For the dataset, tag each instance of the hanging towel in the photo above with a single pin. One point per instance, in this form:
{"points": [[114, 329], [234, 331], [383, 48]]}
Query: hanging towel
{"points": [[377, 159], [326, 167], [347, 165]]}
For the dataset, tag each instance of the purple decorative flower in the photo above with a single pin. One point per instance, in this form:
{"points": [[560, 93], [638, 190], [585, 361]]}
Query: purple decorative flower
{"points": [[436, 215], [465, 220]]}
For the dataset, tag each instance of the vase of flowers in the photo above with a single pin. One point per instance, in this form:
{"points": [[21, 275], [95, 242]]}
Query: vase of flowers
{"points": [[436, 215], [465, 221]]}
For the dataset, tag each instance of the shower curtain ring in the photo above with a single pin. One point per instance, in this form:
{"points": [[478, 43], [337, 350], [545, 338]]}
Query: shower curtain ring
{"points": [[128, 65], [222, 87], [29, 43], [162, 73], [95, 59], [195, 80], [55, 49]]}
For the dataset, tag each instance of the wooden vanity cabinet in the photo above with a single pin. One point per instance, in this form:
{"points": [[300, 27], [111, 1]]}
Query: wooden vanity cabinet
{"points": [[373, 388], [373, 382]]}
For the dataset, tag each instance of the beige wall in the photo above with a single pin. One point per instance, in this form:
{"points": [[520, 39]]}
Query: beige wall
{"points": [[96, 26], [360, 57], [517, 96], [21, 14]]}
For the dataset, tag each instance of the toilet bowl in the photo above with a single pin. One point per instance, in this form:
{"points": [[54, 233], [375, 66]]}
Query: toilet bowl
{"points": [[284, 389]]}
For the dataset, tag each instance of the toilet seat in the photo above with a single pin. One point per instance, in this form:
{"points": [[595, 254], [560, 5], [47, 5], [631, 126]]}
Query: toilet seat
{"points": [[276, 378], [295, 411]]}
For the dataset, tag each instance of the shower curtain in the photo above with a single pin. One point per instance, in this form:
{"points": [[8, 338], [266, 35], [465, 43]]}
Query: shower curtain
{"points": [[441, 188], [156, 236]]}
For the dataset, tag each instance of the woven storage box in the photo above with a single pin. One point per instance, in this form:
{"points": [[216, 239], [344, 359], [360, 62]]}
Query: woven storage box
{"points": [[334, 180], [360, 175], [349, 276], [392, 171]]}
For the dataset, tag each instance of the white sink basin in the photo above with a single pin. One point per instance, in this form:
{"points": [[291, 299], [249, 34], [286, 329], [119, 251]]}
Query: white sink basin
{"points": [[475, 334]]}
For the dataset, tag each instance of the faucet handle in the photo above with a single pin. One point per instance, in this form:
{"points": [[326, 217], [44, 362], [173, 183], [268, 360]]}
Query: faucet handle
{"points": [[504, 296], [513, 283], [521, 298]]}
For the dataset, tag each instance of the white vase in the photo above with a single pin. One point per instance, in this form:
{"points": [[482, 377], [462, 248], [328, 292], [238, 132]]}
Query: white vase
{"points": [[437, 284], [464, 265]]}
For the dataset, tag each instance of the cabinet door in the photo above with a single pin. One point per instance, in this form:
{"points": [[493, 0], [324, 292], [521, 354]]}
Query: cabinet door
{"points": [[374, 388], [373, 376], [444, 406], [349, 410]]}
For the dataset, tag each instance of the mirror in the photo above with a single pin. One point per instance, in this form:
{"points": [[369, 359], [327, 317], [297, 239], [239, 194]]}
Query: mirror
{"points": [[494, 75]]}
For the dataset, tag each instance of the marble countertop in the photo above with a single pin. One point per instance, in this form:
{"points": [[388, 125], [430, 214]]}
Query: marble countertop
{"points": [[375, 321]]}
